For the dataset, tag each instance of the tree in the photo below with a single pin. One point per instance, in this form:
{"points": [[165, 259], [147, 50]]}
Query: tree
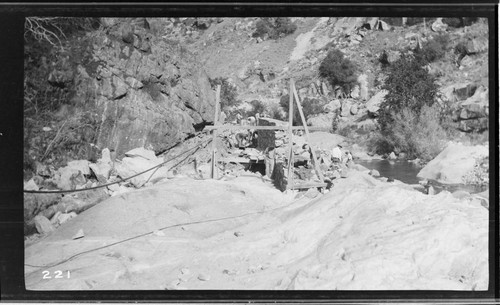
{"points": [[228, 93], [409, 86], [338, 70]]}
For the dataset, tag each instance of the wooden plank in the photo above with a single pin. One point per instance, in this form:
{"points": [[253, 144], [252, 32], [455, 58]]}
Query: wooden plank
{"points": [[306, 185], [290, 137], [214, 140], [315, 160], [239, 127]]}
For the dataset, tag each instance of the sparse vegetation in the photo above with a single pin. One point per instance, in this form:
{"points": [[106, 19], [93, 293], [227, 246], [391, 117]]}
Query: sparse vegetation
{"points": [[274, 28], [228, 93], [338, 70], [433, 49], [310, 107]]}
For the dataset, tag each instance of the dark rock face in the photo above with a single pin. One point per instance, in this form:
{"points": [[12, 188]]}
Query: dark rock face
{"points": [[147, 91]]}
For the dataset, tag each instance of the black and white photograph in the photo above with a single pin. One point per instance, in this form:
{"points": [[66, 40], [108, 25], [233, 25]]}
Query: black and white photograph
{"points": [[257, 153]]}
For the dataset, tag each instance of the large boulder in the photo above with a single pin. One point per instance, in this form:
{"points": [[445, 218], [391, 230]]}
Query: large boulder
{"points": [[333, 105], [453, 163], [373, 105], [130, 166], [323, 120], [346, 108]]}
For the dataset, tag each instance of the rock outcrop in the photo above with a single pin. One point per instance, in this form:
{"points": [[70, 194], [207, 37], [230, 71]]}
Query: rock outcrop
{"points": [[453, 164], [146, 90]]}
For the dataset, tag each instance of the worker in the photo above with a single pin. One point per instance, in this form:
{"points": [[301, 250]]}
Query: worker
{"points": [[337, 154], [251, 121], [348, 158], [239, 118], [223, 117]]}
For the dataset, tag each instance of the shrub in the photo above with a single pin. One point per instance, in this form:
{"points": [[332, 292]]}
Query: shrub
{"points": [[409, 86], [310, 107], [257, 107], [338, 70], [228, 93], [433, 49], [274, 27], [453, 22], [418, 135]]}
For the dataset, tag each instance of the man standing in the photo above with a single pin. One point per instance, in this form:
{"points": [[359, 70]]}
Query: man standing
{"points": [[337, 154]]}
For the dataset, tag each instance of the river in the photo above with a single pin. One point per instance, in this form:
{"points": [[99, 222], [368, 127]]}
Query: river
{"points": [[407, 172]]}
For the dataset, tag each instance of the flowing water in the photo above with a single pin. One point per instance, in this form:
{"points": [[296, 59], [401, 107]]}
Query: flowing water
{"points": [[407, 172]]}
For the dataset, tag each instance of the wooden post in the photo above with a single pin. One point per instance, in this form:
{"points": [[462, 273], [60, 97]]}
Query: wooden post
{"points": [[290, 138], [315, 162], [214, 140]]}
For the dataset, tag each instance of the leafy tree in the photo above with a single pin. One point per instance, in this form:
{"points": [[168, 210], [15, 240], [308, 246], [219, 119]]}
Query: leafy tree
{"points": [[409, 86], [274, 27], [228, 93], [338, 70], [310, 107]]}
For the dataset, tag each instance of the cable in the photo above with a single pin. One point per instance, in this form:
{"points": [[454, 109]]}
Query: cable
{"points": [[148, 233], [119, 181]]}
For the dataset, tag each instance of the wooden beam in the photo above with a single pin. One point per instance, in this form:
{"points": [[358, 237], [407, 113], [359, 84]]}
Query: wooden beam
{"points": [[315, 160], [239, 127], [306, 185], [214, 140], [290, 136]]}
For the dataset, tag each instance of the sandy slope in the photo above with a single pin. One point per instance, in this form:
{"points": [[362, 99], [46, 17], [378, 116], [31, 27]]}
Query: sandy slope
{"points": [[364, 234]]}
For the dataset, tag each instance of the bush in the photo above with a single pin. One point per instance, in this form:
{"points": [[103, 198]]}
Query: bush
{"points": [[257, 107], [409, 86], [274, 27], [310, 107], [228, 93], [433, 49], [417, 135], [338, 70]]}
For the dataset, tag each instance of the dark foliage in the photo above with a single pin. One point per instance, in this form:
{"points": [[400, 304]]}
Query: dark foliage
{"points": [[274, 28], [228, 93], [433, 49], [338, 70], [409, 86], [257, 107], [310, 107]]}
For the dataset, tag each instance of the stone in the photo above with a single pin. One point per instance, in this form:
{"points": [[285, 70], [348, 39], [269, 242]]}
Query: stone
{"points": [[392, 156], [439, 26], [63, 217], [31, 185], [477, 45], [355, 92], [238, 234], [431, 190], [204, 277], [134, 83], [324, 89], [79, 234], [467, 61], [373, 105], [131, 166], [68, 178], [346, 108], [354, 109], [323, 120], [312, 193], [383, 26], [453, 163], [143, 153], [81, 165], [332, 105], [374, 173], [43, 225]]}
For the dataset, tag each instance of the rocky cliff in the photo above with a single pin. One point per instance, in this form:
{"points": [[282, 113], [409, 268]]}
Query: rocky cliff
{"points": [[143, 90]]}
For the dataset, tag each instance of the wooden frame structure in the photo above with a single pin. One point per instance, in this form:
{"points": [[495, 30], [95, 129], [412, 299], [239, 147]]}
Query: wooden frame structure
{"points": [[289, 127]]}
